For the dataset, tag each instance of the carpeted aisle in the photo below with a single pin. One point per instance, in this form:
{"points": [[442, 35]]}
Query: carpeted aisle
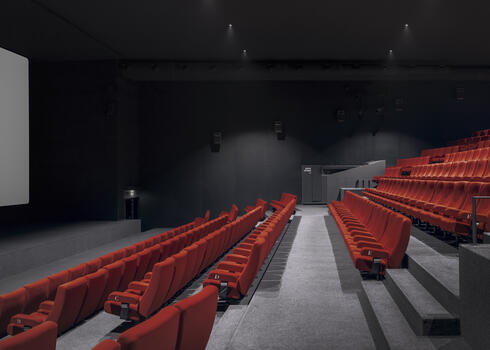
{"points": [[307, 308]]}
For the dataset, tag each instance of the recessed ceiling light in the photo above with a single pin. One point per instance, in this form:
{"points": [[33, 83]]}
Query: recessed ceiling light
{"points": [[230, 25], [390, 52], [244, 52], [406, 25]]}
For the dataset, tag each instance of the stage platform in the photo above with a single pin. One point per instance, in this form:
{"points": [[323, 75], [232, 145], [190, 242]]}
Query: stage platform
{"points": [[30, 246]]}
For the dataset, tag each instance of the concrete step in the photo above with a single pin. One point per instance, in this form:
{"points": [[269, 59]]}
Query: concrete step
{"points": [[389, 328], [423, 312], [438, 273]]}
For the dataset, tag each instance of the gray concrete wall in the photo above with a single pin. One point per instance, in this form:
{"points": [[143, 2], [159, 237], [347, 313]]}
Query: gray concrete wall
{"points": [[474, 272], [353, 178]]}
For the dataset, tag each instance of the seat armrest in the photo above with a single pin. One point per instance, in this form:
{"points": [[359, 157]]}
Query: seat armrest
{"points": [[138, 285], [239, 259], [360, 233], [46, 305], [375, 253], [240, 251], [364, 239], [440, 209], [223, 276], [122, 297], [246, 246], [230, 266], [375, 245], [451, 212], [26, 320], [147, 276]]}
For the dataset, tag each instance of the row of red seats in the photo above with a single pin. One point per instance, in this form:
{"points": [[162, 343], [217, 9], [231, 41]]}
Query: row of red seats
{"points": [[143, 297], [81, 291], [445, 204], [26, 299], [485, 132], [285, 199], [408, 162], [232, 215], [473, 170], [42, 337], [259, 203], [470, 140], [439, 152], [394, 171], [186, 325], [239, 268], [474, 154], [370, 232]]}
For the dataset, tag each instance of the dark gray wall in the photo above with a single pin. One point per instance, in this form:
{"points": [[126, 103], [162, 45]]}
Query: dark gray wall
{"points": [[181, 177], [94, 134], [84, 143]]}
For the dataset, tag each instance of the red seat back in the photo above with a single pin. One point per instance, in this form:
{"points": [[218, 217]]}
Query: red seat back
{"points": [[179, 272], [55, 281], [107, 344], [115, 272], [197, 315], [77, 271], [36, 293], [10, 304], [96, 283], [395, 240], [130, 267], [42, 337], [158, 332], [67, 303], [156, 293]]}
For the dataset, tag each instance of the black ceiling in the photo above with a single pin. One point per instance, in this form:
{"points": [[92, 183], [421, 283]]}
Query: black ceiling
{"points": [[445, 31]]}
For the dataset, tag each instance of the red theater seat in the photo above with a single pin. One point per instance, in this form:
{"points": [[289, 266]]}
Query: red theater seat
{"points": [[107, 344], [96, 283], [197, 315], [36, 293], [158, 332], [372, 234], [130, 268], [63, 310], [10, 304], [42, 337], [145, 297], [77, 271]]}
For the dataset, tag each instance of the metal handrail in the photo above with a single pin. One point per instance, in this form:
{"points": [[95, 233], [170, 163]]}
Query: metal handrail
{"points": [[473, 222]]}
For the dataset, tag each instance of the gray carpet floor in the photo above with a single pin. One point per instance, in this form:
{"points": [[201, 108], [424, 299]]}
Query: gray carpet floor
{"points": [[305, 307]]}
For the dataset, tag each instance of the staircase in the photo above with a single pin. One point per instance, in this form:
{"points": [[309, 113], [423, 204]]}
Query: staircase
{"points": [[416, 307]]}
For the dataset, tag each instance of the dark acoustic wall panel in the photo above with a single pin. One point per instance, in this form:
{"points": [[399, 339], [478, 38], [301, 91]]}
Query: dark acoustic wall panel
{"points": [[94, 134], [181, 177]]}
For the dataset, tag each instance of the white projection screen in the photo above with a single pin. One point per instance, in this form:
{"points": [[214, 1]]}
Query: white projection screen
{"points": [[14, 129]]}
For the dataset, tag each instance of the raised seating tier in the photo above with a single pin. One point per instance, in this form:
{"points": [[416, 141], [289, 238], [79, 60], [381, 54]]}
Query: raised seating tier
{"points": [[375, 236], [445, 204]]}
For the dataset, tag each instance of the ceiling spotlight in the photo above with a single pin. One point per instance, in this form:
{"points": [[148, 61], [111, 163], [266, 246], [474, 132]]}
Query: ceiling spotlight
{"points": [[230, 26], [390, 52], [244, 52], [406, 25]]}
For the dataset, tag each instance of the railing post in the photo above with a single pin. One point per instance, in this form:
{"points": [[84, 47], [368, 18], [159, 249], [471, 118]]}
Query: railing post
{"points": [[474, 228], [473, 221]]}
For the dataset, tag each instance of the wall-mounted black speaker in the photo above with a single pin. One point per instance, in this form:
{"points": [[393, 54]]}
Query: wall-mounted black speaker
{"points": [[399, 104], [279, 130], [216, 140], [460, 94], [278, 127], [340, 115]]}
